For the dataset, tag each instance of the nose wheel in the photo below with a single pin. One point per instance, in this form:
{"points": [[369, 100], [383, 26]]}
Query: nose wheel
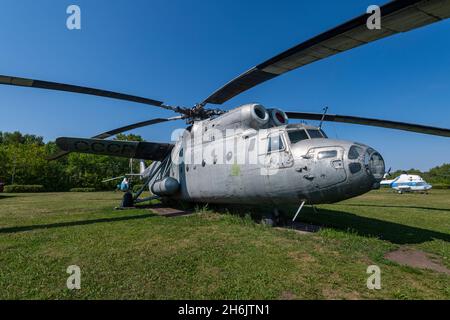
{"points": [[276, 218]]}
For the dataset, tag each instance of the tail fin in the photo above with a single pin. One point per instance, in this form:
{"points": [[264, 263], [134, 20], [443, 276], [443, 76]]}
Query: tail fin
{"points": [[142, 166]]}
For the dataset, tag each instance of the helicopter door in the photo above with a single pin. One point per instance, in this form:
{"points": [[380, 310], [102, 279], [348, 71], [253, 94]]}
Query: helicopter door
{"points": [[277, 153], [326, 166]]}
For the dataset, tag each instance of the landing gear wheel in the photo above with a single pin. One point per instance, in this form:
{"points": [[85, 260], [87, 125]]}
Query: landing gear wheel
{"points": [[276, 218], [127, 200]]}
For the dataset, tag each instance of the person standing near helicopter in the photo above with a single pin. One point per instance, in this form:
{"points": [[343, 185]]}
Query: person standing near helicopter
{"points": [[124, 185]]}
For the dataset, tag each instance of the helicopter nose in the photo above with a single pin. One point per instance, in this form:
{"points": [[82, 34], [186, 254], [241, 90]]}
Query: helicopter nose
{"points": [[366, 167]]}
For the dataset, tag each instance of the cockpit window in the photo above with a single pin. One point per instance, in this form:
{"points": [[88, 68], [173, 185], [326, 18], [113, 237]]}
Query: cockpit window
{"points": [[315, 134], [323, 133], [297, 135], [354, 152]]}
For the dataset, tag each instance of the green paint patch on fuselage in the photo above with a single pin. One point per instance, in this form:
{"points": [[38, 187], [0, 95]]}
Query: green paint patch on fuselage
{"points": [[235, 170]]}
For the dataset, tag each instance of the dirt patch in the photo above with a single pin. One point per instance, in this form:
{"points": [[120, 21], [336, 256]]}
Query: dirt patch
{"points": [[301, 228], [333, 294], [417, 259], [170, 212], [304, 227], [287, 295], [302, 257]]}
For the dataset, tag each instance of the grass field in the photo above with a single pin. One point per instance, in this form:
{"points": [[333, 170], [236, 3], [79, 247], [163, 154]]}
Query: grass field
{"points": [[136, 254]]}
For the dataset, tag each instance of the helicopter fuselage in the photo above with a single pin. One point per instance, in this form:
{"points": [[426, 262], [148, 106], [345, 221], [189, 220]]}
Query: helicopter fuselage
{"points": [[236, 158]]}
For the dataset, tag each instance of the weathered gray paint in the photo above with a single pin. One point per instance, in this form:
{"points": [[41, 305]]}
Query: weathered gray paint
{"points": [[301, 176]]}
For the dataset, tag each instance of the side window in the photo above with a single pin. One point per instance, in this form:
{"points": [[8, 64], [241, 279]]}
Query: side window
{"points": [[275, 143], [327, 154]]}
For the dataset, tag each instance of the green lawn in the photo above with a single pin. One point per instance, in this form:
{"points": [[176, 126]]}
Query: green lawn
{"points": [[136, 254]]}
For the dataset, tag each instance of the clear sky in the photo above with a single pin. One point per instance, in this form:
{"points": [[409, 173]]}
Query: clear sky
{"points": [[179, 51]]}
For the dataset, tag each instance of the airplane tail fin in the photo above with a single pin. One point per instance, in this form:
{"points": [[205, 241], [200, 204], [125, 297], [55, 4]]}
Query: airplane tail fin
{"points": [[142, 166]]}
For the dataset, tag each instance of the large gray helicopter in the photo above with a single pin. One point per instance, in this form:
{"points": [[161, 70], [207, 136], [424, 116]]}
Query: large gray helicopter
{"points": [[252, 154]]}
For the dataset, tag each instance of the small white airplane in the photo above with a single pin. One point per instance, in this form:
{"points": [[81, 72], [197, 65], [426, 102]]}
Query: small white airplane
{"points": [[140, 175], [407, 183]]}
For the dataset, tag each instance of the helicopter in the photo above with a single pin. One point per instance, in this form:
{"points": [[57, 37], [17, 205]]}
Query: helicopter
{"points": [[252, 154], [407, 183]]}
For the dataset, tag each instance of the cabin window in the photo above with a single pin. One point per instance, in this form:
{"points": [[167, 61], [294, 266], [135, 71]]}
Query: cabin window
{"points": [[314, 134], [420, 184], [297, 135], [327, 154], [275, 143]]}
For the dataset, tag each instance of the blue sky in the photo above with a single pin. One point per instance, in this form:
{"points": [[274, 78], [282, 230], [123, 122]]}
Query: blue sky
{"points": [[179, 51]]}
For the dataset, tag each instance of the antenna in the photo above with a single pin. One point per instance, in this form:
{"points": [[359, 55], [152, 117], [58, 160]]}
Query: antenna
{"points": [[325, 110]]}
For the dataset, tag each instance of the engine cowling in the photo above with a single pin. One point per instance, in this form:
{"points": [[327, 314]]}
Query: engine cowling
{"points": [[250, 115]]}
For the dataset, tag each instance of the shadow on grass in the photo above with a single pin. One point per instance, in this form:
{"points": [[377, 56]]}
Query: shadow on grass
{"points": [[73, 223], [385, 230], [394, 206], [4, 196], [341, 220]]}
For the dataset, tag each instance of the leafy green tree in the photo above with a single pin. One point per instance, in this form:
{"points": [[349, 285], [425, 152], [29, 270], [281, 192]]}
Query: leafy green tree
{"points": [[128, 137], [17, 137]]}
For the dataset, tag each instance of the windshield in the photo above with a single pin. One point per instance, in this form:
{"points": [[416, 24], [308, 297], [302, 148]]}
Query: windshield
{"points": [[297, 135], [315, 134]]}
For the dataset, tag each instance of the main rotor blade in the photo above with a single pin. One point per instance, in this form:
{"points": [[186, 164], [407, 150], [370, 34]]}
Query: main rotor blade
{"points": [[24, 82], [111, 133], [396, 17], [371, 122]]}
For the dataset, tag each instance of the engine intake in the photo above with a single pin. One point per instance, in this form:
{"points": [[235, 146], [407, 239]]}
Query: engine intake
{"points": [[278, 117]]}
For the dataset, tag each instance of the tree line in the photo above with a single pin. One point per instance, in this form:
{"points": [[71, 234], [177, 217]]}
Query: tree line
{"points": [[23, 161]]}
